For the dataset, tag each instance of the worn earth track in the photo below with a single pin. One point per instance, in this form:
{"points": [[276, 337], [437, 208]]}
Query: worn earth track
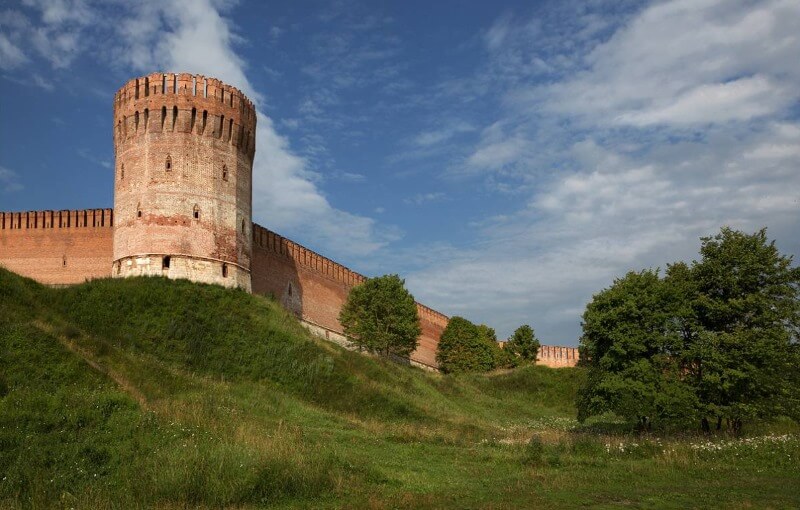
{"points": [[87, 356]]}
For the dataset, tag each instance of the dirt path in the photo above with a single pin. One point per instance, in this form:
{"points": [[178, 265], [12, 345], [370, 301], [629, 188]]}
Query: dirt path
{"points": [[99, 366]]}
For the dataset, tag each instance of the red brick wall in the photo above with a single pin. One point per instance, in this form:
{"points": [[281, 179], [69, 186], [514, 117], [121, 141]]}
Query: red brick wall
{"points": [[57, 247], [314, 288], [556, 357]]}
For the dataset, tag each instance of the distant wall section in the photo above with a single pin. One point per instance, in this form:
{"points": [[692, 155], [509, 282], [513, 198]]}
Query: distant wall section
{"points": [[315, 288], [57, 247], [556, 357]]}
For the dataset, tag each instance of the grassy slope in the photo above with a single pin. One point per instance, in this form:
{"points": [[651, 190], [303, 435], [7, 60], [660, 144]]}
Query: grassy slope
{"points": [[170, 394]]}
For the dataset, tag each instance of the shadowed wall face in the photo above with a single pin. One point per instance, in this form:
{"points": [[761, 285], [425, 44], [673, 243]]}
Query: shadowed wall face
{"points": [[315, 288], [184, 147], [57, 247]]}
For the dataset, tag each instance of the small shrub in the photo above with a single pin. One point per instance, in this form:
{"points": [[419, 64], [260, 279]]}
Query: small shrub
{"points": [[534, 452]]}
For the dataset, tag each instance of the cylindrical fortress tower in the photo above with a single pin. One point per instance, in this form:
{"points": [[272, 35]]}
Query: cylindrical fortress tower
{"points": [[184, 147]]}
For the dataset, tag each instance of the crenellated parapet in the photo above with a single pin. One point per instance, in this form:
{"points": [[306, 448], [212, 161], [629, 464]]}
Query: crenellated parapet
{"points": [[185, 103], [557, 356], [82, 218], [266, 239]]}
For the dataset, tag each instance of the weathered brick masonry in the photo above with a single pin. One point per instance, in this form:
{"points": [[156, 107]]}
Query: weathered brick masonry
{"points": [[314, 288], [57, 247], [184, 147]]}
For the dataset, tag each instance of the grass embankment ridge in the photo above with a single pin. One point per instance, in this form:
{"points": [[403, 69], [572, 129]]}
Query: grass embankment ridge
{"points": [[153, 393]]}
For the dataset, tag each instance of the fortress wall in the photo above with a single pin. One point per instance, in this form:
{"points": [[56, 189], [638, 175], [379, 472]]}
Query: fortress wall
{"points": [[315, 288], [556, 357], [57, 247]]}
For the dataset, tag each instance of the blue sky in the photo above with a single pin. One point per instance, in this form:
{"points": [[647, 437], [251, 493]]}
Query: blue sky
{"points": [[509, 159]]}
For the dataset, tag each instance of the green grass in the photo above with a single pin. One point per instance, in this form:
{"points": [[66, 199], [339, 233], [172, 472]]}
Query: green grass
{"points": [[148, 393]]}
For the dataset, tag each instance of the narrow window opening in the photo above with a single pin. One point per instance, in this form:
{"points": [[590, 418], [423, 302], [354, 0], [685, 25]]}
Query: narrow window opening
{"points": [[230, 129], [168, 163], [194, 85], [165, 263], [221, 125], [290, 290], [163, 115], [139, 210], [136, 122], [63, 261], [205, 119], [146, 87], [224, 172], [194, 116], [136, 93], [224, 270], [175, 83], [164, 84], [242, 227], [196, 212], [174, 116], [146, 117]]}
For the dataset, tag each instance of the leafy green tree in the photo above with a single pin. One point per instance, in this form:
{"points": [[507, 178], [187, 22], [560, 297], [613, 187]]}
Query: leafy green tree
{"points": [[380, 315], [630, 352], [523, 343], [465, 347], [716, 341], [742, 358]]}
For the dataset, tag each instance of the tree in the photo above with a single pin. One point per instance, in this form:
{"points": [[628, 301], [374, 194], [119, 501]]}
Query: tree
{"points": [[711, 342], [380, 315], [465, 347], [630, 352], [523, 343], [748, 314]]}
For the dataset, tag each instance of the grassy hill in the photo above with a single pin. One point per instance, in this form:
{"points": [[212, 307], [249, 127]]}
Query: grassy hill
{"points": [[146, 393]]}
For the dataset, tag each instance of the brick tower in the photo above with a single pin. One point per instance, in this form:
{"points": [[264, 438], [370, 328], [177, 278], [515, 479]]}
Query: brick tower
{"points": [[184, 147]]}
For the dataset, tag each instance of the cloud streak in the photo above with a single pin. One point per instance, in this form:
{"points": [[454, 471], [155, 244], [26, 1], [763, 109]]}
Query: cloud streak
{"points": [[676, 123]]}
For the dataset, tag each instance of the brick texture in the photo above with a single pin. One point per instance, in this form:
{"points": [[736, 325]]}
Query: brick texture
{"points": [[314, 288], [57, 247], [184, 147]]}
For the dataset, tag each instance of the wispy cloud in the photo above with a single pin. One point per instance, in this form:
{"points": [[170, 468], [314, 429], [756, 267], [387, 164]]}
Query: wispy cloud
{"points": [[9, 181], [677, 121], [422, 198]]}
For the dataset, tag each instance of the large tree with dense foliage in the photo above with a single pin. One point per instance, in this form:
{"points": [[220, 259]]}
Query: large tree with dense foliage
{"points": [[714, 341], [524, 344], [744, 351], [380, 315], [465, 347]]}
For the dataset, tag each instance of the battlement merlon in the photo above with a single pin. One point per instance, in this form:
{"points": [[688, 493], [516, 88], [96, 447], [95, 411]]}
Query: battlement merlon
{"points": [[80, 218], [184, 103], [184, 84]]}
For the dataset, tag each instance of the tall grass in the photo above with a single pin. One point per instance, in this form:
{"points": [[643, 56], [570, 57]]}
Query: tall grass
{"points": [[148, 393]]}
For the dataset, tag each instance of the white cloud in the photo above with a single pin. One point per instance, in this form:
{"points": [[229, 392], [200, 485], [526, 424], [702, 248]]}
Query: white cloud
{"points": [[422, 198], [9, 181], [687, 62], [680, 121], [442, 134], [10, 54]]}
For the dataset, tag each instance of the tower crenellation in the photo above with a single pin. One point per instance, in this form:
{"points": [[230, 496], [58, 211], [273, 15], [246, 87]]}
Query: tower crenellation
{"points": [[184, 147]]}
